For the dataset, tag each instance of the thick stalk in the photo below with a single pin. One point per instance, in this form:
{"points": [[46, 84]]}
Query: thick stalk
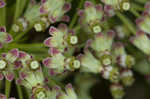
{"points": [[7, 88]]}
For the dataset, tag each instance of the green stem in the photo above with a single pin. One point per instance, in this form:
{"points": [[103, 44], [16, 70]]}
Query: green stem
{"points": [[137, 7], [19, 91], [142, 1], [127, 22], [75, 17], [17, 12], [20, 35], [18, 87], [3, 16], [29, 47], [20, 4], [7, 88], [135, 12]]}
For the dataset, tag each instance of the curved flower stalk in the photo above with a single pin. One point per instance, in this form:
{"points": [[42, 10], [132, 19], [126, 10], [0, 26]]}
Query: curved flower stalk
{"points": [[42, 15], [118, 4], [7, 64], [91, 17], [61, 39], [5, 38]]}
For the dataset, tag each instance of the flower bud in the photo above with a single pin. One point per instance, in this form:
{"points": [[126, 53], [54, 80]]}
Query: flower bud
{"points": [[110, 73], [127, 77], [117, 91]]}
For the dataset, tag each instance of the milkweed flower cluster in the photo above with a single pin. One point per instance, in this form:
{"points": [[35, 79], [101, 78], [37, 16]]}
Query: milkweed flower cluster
{"points": [[42, 15], [59, 43], [94, 42]]}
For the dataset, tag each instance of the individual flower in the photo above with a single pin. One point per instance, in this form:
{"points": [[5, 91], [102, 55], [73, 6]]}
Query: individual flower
{"points": [[31, 79], [118, 4], [69, 94], [106, 58], [89, 63], [91, 17], [5, 38], [56, 62], [142, 42], [61, 38], [7, 64], [99, 43], [2, 4], [117, 91], [125, 61], [28, 62], [109, 11], [127, 77], [59, 63], [42, 24], [121, 57], [122, 31], [143, 23], [20, 25], [110, 73]]}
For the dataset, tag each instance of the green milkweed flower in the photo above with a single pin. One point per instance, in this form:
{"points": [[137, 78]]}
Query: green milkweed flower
{"points": [[70, 93], [2, 4], [7, 64], [142, 42], [89, 63], [100, 39], [5, 38], [117, 91], [42, 15], [61, 39], [127, 77], [118, 4], [59, 63], [91, 17]]}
